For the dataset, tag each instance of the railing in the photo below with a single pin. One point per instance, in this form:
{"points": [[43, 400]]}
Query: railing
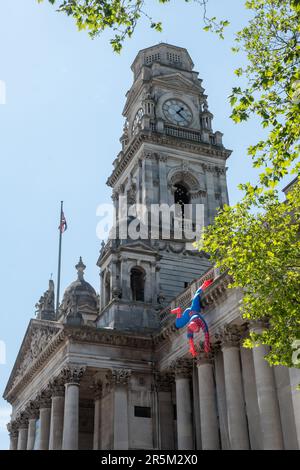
{"points": [[183, 300], [182, 133]]}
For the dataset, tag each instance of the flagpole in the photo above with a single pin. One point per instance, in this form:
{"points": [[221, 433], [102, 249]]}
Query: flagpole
{"points": [[59, 258]]}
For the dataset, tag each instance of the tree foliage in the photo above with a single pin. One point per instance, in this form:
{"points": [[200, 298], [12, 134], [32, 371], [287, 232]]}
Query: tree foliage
{"points": [[271, 41], [257, 240], [122, 16], [261, 251]]}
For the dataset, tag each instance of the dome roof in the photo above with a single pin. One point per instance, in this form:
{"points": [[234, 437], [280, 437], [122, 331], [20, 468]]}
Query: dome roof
{"points": [[79, 298]]}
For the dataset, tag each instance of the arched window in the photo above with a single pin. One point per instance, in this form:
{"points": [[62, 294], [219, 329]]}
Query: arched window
{"points": [[137, 282], [181, 197]]}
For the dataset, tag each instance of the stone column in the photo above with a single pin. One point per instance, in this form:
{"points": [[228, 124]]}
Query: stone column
{"points": [[251, 398], [236, 409], [163, 185], [23, 432], [125, 279], [295, 381], [97, 416], [13, 436], [57, 414], [119, 380], [147, 197], [165, 411], [45, 417], [211, 201], [208, 409], [267, 397], [184, 405], [221, 397], [72, 376], [33, 413]]}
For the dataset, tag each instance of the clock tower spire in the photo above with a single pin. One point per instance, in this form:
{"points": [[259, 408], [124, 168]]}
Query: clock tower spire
{"points": [[170, 155]]}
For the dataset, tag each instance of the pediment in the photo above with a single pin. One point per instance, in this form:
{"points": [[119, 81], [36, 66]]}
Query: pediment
{"points": [[139, 246], [37, 337], [177, 80]]}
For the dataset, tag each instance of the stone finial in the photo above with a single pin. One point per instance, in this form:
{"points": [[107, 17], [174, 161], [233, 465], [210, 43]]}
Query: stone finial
{"points": [[45, 306], [80, 267]]}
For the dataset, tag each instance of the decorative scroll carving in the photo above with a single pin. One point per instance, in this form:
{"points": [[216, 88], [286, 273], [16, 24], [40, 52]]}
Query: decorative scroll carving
{"points": [[230, 335], [57, 387], [72, 374], [44, 398], [32, 410], [12, 428], [182, 368], [40, 338], [120, 376]]}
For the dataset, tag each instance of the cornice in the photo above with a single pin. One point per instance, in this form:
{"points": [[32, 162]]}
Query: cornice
{"points": [[79, 334], [162, 139]]}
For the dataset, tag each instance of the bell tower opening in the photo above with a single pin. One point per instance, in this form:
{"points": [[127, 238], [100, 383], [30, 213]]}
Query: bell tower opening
{"points": [[137, 282], [181, 198]]}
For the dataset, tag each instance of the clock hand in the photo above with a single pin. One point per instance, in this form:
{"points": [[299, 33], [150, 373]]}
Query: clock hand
{"points": [[178, 112]]}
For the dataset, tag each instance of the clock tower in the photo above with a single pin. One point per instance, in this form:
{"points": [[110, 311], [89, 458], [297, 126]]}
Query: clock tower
{"points": [[170, 157]]}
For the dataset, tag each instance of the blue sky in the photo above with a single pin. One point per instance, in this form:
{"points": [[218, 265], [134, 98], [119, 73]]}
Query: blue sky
{"points": [[59, 134]]}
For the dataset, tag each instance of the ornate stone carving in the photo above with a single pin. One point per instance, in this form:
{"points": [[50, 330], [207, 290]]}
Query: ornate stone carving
{"points": [[120, 376], [12, 429], [22, 420], [230, 335], [204, 358], [97, 389], [163, 381], [45, 306], [57, 387], [44, 398], [197, 148], [39, 340], [72, 374], [183, 173], [182, 368], [32, 410]]}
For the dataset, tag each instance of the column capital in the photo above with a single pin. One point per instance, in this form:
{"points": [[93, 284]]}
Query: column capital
{"points": [[182, 368], [163, 381], [72, 374], [32, 410], [230, 336], [119, 376], [22, 420], [258, 326], [12, 429], [44, 399], [57, 387], [204, 358], [97, 388]]}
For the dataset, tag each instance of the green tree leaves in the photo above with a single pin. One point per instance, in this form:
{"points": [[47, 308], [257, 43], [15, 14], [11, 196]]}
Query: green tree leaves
{"points": [[261, 251]]}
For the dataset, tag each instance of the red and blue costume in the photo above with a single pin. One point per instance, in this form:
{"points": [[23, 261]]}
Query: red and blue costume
{"points": [[194, 320]]}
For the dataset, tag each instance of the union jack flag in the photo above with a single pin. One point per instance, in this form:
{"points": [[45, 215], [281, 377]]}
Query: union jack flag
{"points": [[63, 223]]}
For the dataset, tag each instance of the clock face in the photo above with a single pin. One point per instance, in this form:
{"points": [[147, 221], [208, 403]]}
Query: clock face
{"points": [[137, 121], [177, 112]]}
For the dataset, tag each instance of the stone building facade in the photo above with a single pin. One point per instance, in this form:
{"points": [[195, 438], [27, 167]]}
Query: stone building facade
{"points": [[112, 371]]}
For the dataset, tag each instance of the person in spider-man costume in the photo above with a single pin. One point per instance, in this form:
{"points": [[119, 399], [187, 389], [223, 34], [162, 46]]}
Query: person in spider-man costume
{"points": [[193, 319]]}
